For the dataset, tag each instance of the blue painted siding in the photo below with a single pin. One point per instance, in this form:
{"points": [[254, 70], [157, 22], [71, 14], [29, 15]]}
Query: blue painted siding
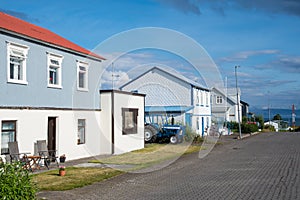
{"points": [[37, 93]]}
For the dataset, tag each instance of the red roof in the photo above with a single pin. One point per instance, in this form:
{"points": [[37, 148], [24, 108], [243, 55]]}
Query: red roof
{"points": [[19, 26]]}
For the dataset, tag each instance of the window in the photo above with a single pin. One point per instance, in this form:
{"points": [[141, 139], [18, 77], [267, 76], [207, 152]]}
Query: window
{"points": [[219, 100], [129, 120], [82, 76], [198, 98], [54, 70], [81, 131], [198, 123], [16, 69], [201, 93], [8, 134], [207, 100]]}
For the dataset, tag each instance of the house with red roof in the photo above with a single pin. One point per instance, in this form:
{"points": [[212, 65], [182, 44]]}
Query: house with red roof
{"points": [[49, 90]]}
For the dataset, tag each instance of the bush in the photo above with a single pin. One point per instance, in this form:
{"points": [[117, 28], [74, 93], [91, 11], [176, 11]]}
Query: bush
{"points": [[249, 128], [189, 134], [192, 136], [269, 127], [233, 125], [15, 182]]}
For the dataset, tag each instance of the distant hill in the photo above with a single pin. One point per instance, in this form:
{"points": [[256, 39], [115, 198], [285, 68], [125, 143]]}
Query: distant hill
{"points": [[286, 114]]}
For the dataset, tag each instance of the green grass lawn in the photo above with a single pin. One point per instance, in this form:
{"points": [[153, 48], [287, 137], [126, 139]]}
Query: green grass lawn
{"points": [[78, 177]]}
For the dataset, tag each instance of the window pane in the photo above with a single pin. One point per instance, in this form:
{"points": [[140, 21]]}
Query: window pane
{"points": [[129, 120], [16, 71], [8, 134], [8, 126], [81, 122], [81, 131], [53, 73], [81, 80]]}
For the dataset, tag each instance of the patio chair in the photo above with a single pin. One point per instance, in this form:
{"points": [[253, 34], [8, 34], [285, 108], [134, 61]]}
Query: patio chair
{"points": [[16, 156], [47, 155]]}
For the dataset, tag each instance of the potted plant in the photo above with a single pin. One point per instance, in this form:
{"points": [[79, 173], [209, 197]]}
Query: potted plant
{"points": [[62, 158], [62, 170]]}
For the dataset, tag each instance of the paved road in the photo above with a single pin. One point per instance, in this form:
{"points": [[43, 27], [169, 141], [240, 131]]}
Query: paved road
{"points": [[264, 166]]}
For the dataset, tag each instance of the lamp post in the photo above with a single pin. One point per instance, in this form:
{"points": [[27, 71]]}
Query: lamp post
{"points": [[238, 102]]}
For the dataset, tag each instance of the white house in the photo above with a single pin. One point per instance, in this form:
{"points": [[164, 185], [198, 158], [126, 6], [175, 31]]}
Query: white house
{"points": [[49, 91], [171, 94], [224, 104], [274, 124]]}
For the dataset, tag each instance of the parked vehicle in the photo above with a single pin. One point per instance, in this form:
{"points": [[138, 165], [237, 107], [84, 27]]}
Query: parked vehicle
{"points": [[171, 132]]}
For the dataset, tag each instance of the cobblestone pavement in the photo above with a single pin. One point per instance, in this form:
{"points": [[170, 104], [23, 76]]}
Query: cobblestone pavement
{"points": [[264, 166]]}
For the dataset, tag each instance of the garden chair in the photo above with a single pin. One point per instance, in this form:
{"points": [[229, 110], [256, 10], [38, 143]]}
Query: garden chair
{"points": [[16, 156], [47, 155]]}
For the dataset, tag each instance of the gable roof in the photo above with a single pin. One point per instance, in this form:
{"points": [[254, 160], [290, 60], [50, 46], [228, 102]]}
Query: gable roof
{"points": [[170, 73], [25, 29]]}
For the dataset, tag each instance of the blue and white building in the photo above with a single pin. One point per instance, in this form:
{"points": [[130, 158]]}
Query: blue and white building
{"points": [[171, 94], [50, 91]]}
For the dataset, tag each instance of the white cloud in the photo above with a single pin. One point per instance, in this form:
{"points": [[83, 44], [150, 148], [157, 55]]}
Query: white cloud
{"points": [[246, 54]]}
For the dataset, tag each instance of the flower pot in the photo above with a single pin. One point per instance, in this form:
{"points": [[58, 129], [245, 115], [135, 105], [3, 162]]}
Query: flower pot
{"points": [[62, 172]]}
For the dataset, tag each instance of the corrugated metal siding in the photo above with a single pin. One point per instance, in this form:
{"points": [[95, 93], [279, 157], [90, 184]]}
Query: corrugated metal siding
{"points": [[161, 89]]}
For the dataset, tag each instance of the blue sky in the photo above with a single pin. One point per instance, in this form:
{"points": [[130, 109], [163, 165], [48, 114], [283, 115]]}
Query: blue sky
{"points": [[262, 37]]}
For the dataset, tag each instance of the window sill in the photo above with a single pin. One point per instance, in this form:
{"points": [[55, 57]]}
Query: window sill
{"points": [[21, 82], [83, 89], [55, 86]]}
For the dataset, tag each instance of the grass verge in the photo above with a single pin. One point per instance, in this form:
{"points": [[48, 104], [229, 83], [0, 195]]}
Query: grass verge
{"points": [[75, 177], [151, 154], [81, 176]]}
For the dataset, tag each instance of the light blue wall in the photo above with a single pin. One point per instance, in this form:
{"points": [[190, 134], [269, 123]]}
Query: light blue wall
{"points": [[36, 93]]}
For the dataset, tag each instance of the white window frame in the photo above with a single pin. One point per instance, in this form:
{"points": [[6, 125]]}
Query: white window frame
{"points": [[197, 97], [86, 75], [58, 58], [81, 125], [207, 98], [17, 51], [219, 99], [12, 138]]}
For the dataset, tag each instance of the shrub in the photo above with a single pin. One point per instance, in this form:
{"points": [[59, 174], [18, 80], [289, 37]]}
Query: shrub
{"points": [[233, 125], [269, 127], [249, 128], [192, 136], [15, 182]]}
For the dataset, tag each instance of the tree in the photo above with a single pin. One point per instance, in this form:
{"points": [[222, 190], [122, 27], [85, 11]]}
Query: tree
{"points": [[260, 120], [277, 117]]}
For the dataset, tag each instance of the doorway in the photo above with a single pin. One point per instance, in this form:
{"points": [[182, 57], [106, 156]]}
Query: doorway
{"points": [[51, 133]]}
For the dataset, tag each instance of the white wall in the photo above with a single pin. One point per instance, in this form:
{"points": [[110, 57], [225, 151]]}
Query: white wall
{"points": [[32, 125], [106, 124], [129, 142], [122, 143]]}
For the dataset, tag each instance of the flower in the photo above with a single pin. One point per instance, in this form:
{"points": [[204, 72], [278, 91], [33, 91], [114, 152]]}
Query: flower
{"points": [[62, 168]]}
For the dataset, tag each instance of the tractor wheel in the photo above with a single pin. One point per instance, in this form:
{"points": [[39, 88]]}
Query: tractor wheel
{"points": [[150, 134], [173, 139]]}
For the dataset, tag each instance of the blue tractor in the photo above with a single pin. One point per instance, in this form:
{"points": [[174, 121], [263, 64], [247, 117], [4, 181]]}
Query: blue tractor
{"points": [[173, 133]]}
